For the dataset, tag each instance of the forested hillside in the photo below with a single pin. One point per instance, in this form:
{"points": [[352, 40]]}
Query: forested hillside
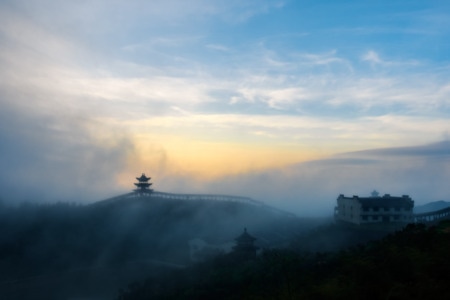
{"points": [[95, 249], [141, 247], [410, 264]]}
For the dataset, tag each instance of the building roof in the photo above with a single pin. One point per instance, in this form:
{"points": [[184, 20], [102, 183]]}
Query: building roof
{"points": [[386, 200]]}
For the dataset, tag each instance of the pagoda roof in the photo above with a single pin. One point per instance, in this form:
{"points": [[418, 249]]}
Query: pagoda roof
{"points": [[141, 184], [245, 237], [143, 178], [144, 191]]}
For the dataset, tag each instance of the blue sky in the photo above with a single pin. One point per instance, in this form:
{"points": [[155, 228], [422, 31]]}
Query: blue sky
{"points": [[199, 93]]}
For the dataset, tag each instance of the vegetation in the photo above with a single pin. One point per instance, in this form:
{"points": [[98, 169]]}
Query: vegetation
{"points": [[57, 249], [62, 251], [409, 264]]}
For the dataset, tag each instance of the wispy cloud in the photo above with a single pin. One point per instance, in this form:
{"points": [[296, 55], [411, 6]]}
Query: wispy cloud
{"points": [[374, 58], [150, 84], [218, 47], [320, 58]]}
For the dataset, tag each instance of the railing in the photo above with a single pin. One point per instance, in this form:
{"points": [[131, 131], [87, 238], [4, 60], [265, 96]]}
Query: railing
{"points": [[210, 197], [433, 216], [190, 197]]}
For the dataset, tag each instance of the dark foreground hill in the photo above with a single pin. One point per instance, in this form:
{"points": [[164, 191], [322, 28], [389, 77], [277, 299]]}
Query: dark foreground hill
{"points": [[410, 264], [63, 251]]}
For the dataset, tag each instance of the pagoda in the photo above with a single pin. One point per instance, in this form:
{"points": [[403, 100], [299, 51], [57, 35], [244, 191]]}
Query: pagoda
{"points": [[143, 186], [245, 248]]}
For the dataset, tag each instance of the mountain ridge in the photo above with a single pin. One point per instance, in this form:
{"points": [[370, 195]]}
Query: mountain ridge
{"points": [[431, 206]]}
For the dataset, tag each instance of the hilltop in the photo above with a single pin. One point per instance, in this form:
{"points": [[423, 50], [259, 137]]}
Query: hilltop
{"points": [[108, 244]]}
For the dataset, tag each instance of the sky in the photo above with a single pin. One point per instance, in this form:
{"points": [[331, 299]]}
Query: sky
{"points": [[288, 102]]}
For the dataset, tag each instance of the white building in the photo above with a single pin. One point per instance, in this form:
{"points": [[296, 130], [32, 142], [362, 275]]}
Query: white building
{"points": [[374, 209]]}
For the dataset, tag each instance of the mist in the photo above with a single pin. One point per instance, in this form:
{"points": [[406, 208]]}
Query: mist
{"points": [[45, 160], [288, 103], [61, 251], [311, 188]]}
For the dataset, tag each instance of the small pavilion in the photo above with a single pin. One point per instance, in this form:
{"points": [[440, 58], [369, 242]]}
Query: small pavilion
{"points": [[244, 246], [143, 185]]}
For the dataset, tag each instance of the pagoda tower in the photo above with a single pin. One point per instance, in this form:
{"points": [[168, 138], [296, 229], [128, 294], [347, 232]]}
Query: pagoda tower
{"points": [[245, 248], [143, 186]]}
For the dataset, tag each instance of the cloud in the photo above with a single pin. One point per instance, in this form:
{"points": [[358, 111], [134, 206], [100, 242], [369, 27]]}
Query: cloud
{"points": [[374, 59], [319, 59], [44, 159], [218, 47], [100, 17], [279, 79], [311, 188], [372, 56], [435, 150], [134, 85], [243, 11]]}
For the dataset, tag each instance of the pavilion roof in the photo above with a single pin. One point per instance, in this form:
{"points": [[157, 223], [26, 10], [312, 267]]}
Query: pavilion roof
{"points": [[143, 178], [245, 237]]}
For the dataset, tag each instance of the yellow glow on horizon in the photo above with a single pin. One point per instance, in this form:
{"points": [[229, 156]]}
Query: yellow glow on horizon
{"points": [[208, 160], [218, 159], [205, 147]]}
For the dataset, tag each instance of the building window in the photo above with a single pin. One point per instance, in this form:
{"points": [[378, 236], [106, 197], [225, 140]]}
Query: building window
{"points": [[364, 218], [375, 208]]}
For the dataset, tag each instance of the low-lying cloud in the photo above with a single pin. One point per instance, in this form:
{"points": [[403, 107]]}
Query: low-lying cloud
{"points": [[312, 187]]}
